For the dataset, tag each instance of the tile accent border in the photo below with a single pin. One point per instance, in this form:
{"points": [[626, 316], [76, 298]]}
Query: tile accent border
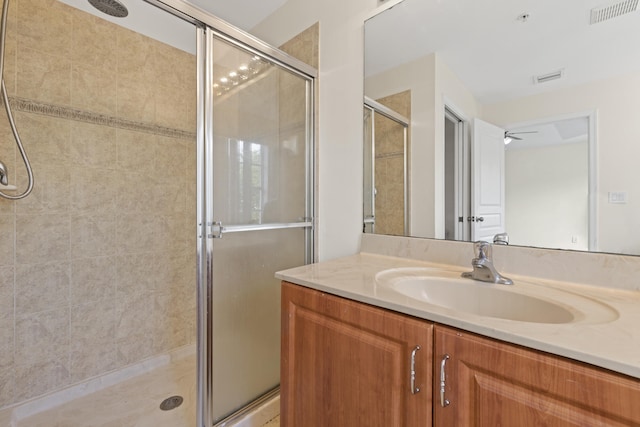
{"points": [[390, 155], [62, 112]]}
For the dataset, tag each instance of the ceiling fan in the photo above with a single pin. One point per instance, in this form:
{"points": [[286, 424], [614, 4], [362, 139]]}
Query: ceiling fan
{"points": [[510, 136]]}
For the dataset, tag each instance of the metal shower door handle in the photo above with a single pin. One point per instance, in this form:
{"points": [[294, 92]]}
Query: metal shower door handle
{"points": [[215, 230]]}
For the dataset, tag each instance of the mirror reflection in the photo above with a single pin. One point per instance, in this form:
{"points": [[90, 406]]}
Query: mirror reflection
{"points": [[385, 165], [521, 121]]}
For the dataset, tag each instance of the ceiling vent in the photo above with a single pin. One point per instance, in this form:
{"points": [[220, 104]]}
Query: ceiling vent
{"points": [[544, 78], [604, 13]]}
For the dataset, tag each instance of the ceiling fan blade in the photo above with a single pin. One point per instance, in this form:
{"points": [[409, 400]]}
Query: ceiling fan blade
{"points": [[516, 133]]}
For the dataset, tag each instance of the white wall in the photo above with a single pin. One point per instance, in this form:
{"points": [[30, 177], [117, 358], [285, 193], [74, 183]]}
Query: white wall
{"points": [[547, 196], [617, 102], [340, 97]]}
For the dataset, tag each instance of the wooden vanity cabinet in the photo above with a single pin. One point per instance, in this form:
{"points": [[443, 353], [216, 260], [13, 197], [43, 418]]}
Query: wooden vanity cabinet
{"points": [[492, 383], [348, 364]]}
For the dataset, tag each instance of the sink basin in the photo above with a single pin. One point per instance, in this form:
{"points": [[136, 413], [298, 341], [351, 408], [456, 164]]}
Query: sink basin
{"points": [[482, 300], [522, 302]]}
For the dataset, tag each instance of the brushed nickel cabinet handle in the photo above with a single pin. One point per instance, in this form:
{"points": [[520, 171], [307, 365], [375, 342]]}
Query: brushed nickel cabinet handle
{"points": [[443, 402], [414, 389]]}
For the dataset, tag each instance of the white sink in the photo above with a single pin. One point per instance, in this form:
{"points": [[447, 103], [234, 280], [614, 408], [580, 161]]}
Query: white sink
{"points": [[522, 302]]}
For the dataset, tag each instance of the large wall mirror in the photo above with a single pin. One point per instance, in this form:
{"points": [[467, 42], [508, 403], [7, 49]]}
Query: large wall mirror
{"points": [[523, 118]]}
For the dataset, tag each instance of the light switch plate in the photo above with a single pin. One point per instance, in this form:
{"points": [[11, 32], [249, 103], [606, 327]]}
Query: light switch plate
{"points": [[618, 197]]}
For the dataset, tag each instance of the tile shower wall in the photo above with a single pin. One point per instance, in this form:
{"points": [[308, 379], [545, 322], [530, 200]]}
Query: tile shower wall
{"points": [[97, 265], [305, 46]]}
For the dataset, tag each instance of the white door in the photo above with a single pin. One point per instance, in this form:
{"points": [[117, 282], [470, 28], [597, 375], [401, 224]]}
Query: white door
{"points": [[488, 188]]}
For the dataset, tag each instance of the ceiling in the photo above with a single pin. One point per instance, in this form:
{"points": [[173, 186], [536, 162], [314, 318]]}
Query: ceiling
{"points": [[244, 14], [495, 54], [153, 22]]}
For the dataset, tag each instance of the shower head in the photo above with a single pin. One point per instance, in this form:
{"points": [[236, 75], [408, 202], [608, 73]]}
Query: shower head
{"points": [[110, 7]]}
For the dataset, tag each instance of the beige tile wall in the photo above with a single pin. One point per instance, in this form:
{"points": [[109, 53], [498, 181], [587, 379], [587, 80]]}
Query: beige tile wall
{"points": [[305, 46], [97, 269]]}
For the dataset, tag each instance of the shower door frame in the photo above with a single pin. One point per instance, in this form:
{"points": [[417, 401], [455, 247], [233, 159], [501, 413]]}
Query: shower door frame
{"points": [[207, 27], [377, 108]]}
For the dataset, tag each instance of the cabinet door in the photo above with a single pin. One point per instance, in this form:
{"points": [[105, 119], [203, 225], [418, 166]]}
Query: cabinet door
{"points": [[489, 383], [348, 364]]}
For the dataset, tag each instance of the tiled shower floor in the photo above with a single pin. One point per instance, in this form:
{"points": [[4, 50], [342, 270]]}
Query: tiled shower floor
{"points": [[132, 403]]}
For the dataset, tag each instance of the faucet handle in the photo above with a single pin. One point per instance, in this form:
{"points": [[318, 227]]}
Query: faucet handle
{"points": [[501, 239], [482, 249]]}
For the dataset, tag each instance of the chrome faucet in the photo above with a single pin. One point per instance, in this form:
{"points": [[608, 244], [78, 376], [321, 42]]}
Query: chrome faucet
{"points": [[483, 268]]}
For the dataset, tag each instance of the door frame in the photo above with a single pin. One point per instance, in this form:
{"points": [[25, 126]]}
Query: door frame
{"points": [[458, 174], [592, 118], [369, 192], [462, 172]]}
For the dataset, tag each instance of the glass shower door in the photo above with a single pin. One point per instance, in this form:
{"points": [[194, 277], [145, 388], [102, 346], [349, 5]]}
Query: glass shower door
{"points": [[262, 208]]}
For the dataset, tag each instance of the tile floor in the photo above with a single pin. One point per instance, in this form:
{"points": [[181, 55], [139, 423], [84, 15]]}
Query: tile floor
{"points": [[274, 422], [131, 403]]}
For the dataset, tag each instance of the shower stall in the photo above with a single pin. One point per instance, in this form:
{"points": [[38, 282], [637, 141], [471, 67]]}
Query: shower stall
{"points": [[167, 192]]}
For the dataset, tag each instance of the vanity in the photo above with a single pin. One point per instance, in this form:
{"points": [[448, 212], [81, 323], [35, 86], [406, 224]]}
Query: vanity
{"points": [[379, 340]]}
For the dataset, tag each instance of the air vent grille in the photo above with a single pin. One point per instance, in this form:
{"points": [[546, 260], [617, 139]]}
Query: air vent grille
{"points": [[604, 13], [544, 78]]}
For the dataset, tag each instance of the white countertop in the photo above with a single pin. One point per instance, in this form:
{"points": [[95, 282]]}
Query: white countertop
{"points": [[612, 343]]}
